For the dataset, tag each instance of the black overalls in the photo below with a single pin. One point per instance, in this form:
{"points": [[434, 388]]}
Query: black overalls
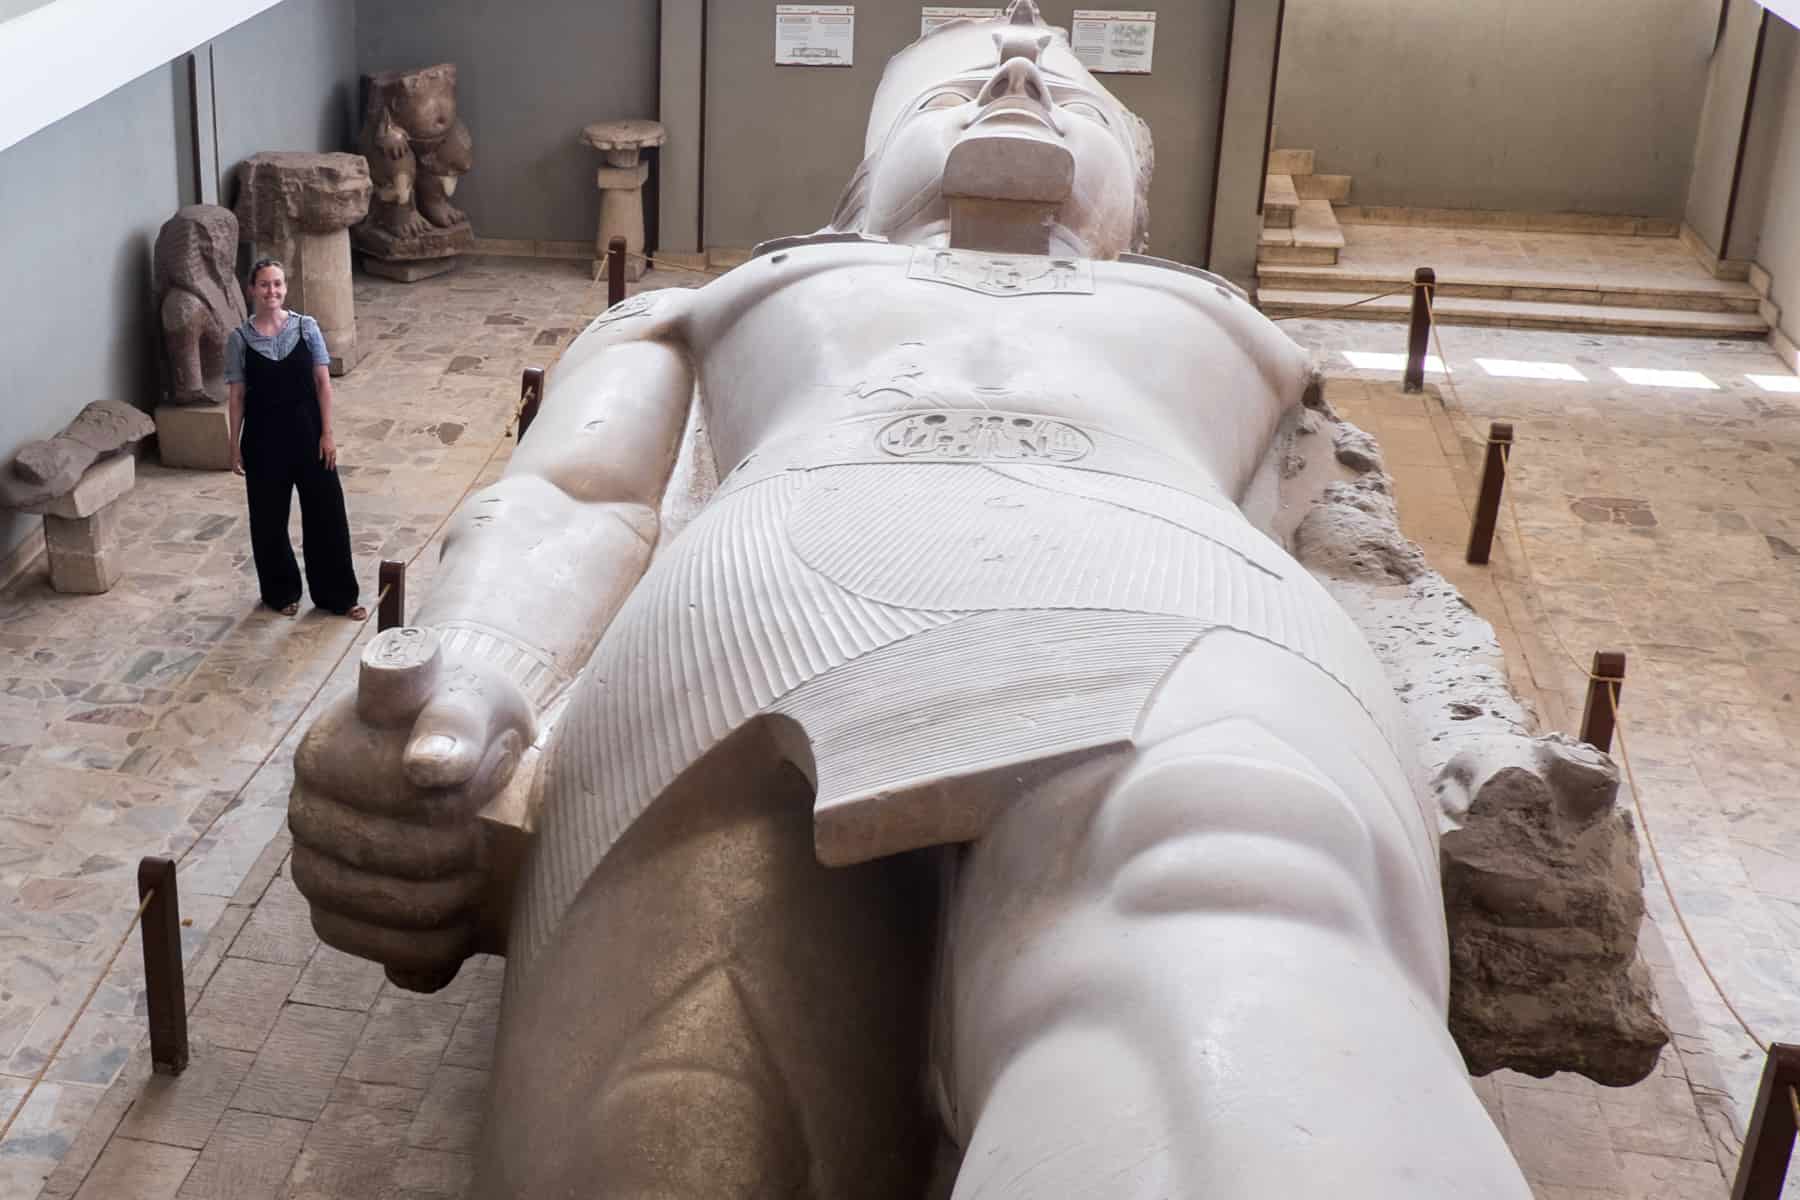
{"points": [[280, 447]]}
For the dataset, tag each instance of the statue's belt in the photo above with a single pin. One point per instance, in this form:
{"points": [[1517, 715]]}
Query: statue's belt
{"points": [[982, 436]]}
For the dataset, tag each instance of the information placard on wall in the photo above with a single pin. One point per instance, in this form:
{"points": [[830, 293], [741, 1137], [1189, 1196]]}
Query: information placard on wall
{"points": [[933, 15], [1119, 43], [815, 35]]}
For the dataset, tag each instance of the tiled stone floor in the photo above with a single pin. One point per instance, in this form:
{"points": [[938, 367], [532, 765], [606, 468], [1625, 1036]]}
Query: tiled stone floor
{"points": [[135, 719]]}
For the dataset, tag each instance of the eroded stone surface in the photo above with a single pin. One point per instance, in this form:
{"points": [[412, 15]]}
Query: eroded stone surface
{"points": [[416, 149], [42, 471], [198, 300]]}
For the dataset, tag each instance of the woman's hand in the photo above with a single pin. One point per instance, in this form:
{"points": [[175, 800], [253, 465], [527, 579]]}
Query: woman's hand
{"points": [[328, 451]]}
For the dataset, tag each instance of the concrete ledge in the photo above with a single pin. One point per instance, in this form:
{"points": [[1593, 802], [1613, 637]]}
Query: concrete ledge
{"points": [[1720, 268], [1620, 225]]}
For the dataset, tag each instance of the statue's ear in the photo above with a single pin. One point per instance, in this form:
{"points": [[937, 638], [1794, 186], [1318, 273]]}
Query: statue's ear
{"points": [[1044, 44]]}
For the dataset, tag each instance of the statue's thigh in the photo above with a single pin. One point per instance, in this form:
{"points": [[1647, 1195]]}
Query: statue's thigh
{"points": [[719, 1015]]}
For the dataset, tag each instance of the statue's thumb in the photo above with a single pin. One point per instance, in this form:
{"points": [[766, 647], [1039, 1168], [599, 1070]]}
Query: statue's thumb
{"points": [[447, 745]]}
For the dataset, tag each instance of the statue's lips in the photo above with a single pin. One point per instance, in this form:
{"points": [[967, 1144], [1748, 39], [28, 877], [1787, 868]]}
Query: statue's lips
{"points": [[1007, 159]]}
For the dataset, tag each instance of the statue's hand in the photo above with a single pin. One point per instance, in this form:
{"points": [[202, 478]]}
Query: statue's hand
{"points": [[387, 784]]}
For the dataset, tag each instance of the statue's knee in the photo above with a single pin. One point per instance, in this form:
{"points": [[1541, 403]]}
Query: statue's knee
{"points": [[1230, 820]]}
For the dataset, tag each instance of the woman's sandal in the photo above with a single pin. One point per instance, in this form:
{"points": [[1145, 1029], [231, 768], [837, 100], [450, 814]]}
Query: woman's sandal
{"points": [[288, 610], [357, 613]]}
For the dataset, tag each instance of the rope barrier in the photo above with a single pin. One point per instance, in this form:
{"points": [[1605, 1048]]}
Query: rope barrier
{"points": [[143, 906], [1321, 312], [1612, 697], [659, 264]]}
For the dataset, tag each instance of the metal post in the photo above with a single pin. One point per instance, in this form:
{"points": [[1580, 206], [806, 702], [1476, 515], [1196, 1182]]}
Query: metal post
{"points": [[615, 271], [165, 993], [1770, 1141], [392, 612], [1418, 335], [1597, 717], [531, 394], [1493, 483]]}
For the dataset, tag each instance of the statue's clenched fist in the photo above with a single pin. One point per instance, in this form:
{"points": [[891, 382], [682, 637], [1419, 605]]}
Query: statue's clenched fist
{"points": [[387, 785]]}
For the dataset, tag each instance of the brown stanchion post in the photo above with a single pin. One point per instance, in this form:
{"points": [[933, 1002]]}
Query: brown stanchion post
{"points": [[615, 271], [531, 394], [1770, 1141], [392, 613], [165, 993], [1607, 676], [1418, 334], [1493, 483]]}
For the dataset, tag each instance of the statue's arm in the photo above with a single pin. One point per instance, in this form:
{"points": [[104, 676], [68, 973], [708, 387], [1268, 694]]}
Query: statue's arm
{"points": [[535, 565], [183, 318]]}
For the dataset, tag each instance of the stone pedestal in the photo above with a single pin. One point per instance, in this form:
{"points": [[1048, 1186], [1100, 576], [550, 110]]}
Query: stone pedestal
{"points": [[299, 208], [621, 183], [81, 528], [194, 435]]}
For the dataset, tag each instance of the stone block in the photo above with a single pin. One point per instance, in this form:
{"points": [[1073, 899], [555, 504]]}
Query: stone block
{"points": [[196, 436], [97, 534], [407, 270], [299, 1064], [97, 487], [79, 574], [182, 1110], [242, 1002], [403, 1042], [630, 178], [134, 1170], [248, 1158]]}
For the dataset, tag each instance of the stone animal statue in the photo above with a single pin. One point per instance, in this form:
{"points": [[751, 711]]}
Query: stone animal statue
{"points": [[43, 470], [416, 147], [977, 730], [198, 300]]}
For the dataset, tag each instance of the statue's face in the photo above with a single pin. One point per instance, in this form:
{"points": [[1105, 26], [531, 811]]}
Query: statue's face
{"points": [[1021, 118]]}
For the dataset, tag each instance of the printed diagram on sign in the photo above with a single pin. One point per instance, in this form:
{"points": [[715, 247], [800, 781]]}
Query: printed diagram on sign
{"points": [[815, 35], [1114, 42]]}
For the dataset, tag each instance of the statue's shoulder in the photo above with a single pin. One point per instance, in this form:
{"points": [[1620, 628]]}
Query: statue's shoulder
{"points": [[648, 316], [822, 238], [1183, 277]]}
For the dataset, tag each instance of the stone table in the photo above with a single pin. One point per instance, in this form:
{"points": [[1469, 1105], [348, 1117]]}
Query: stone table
{"points": [[298, 208], [621, 183], [81, 528]]}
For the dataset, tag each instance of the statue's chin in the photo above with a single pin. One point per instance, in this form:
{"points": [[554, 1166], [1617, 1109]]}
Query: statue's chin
{"points": [[1019, 161]]}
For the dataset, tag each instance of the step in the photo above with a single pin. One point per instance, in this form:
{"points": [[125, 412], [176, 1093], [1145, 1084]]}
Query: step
{"points": [[1280, 201], [1293, 275], [1608, 224], [1290, 162], [1271, 238], [1286, 254], [1521, 314], [1335, 188], [1315, 227]]}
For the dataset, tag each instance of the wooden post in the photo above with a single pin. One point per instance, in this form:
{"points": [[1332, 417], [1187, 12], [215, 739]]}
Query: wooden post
{"points": [[615, 271], [1597, 717], [1493, 483], [392, 613], [1770, 1141], [165, 993], [1418, 334], [531, 394]]}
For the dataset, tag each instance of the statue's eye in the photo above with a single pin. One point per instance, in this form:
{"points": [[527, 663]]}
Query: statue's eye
{"points": [[944, 100], [1082, 108]]}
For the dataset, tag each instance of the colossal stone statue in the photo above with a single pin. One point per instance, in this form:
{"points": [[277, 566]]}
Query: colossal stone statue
{"points": [[971, 797], [417, 149]]}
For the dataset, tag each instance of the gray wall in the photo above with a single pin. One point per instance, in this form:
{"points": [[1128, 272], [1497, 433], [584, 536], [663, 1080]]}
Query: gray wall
{"points": [[1237, 207], [285, 80], [1722, 123], [782, 141], [529, 76], [81, 202], [1778, 248], [1523, 105]]}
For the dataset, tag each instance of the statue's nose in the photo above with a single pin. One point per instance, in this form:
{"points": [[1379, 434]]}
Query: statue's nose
{"points": [[1016, 79]]}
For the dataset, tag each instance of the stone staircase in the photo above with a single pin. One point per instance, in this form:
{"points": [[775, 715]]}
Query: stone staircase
{"points": [[1302, 266], [1299, 227]]}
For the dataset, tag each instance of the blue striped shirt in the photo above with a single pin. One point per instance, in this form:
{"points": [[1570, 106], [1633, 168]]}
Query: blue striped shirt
{"points": [[277, 347]]}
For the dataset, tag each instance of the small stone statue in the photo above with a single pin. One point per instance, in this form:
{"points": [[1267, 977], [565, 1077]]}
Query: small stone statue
{"points": [[416, 149], [198, 299]]}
